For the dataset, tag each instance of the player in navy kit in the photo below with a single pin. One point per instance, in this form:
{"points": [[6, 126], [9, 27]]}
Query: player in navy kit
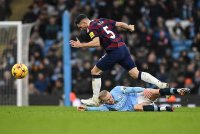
{"points": [[103, 32]]}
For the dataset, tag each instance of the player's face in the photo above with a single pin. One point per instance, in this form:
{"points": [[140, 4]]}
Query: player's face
{"points": [[82, 25], [108, 99]]}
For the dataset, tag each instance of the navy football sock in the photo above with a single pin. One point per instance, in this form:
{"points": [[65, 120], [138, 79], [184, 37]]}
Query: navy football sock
{"points": [[151, 108], [168, 91]]}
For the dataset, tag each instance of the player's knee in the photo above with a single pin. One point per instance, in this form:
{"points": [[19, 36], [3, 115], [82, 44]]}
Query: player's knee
{"points": [[94, 72], [135, 107], [138, 107], [155, 92], [134, 73]]}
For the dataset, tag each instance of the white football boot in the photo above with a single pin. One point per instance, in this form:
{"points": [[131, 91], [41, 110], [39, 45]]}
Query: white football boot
{"points": [[91, 101]]}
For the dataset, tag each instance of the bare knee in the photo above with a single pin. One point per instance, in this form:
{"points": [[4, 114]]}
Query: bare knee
{"points": [[134, 73], [155, 94], [95, 71], [138, 107]]}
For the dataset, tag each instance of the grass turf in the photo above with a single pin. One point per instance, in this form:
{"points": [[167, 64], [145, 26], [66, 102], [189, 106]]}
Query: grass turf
{"points": [[66, 120]]}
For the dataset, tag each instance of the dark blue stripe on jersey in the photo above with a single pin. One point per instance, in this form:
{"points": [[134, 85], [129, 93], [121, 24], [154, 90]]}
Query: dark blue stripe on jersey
{"points": [[106, 30]]}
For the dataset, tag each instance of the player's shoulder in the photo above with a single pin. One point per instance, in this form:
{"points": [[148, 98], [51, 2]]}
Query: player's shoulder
{"points": [[98, 22], [103, 19], [117, 89], [93, 24]]}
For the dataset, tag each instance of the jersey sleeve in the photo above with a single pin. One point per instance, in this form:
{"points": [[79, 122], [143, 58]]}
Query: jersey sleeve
{"points": [[117, 89], [112, 22], [131, 89], [93, 32], [100, 108], [109, 21]]}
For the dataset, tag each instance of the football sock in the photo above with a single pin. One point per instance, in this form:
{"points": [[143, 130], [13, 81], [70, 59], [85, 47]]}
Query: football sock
{"points": [[96, 85], [168, 91], [163, 108], [151, 108], [139, 75], [156, 108], [149, 78]]}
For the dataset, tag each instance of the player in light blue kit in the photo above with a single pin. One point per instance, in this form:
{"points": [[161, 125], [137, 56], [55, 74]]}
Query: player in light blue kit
{"points": [[122, 98]]}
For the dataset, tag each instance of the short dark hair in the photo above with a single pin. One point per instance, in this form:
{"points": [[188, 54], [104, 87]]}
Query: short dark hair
{"points": [[79, 18]]}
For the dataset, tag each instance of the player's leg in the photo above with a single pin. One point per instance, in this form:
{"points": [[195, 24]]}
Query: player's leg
{"points": [[135, 73], [171, 91], [105, 63], [127, 63], [130, 66], [96, 86], [145, 101], [148, 95], [96, 81], [153, 94], [146, 108]]}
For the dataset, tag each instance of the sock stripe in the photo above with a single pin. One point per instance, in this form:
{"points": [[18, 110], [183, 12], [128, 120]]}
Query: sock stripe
{"points": [[139, 75], [172, 90], [155, 108], [96, 76]]}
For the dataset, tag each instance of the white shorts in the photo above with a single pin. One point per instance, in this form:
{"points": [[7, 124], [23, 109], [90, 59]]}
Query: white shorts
{"points": [[142, 99]]}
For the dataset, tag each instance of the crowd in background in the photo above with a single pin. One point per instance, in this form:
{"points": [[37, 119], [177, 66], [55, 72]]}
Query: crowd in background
{"points": [[7, 57], [5, 11], [172, 56]]}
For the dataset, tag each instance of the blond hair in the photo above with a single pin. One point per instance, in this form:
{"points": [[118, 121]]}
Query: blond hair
{"points": [[102, 94]]}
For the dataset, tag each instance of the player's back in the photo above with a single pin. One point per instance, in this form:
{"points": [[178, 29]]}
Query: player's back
{"points": [[124, 102], [106, 30]]}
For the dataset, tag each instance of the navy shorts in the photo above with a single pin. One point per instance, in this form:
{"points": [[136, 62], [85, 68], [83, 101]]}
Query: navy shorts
{"points": [[119, 55]]}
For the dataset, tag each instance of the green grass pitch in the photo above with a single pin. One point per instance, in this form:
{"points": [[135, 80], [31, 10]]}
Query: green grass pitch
{"points": [[66, 120]]}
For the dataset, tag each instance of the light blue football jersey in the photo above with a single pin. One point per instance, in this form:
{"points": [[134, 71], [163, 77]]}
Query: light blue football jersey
{"points": [[125, 98]]}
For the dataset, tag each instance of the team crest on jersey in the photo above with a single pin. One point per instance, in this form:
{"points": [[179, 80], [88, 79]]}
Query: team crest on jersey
{"points": [[100, 22], [91, 34], [119, 96]]}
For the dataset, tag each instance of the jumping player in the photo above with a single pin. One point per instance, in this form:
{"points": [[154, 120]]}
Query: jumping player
{"points": [[103, 32]]}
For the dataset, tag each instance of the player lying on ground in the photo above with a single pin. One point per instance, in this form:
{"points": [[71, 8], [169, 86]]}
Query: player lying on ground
{"points": [[103, 32], [123, 98]]}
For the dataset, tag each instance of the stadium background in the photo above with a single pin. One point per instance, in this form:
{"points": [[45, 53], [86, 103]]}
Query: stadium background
{"points": [[172, 56]]}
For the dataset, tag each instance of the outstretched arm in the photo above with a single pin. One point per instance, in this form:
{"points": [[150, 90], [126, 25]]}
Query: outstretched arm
{"points": [[147, 92], [132, 89], [86, 108], [94, 43], [125, 26]]}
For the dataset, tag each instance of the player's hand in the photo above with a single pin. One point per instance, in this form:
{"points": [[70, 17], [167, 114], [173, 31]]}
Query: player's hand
{"points": [[81, 108], [131, 28], [75, 44]]}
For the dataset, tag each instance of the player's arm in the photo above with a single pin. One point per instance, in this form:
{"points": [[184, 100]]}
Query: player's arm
{"points": [[125, 26], [94, 43], [131, 89], [86, 108], [147, 92]]}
